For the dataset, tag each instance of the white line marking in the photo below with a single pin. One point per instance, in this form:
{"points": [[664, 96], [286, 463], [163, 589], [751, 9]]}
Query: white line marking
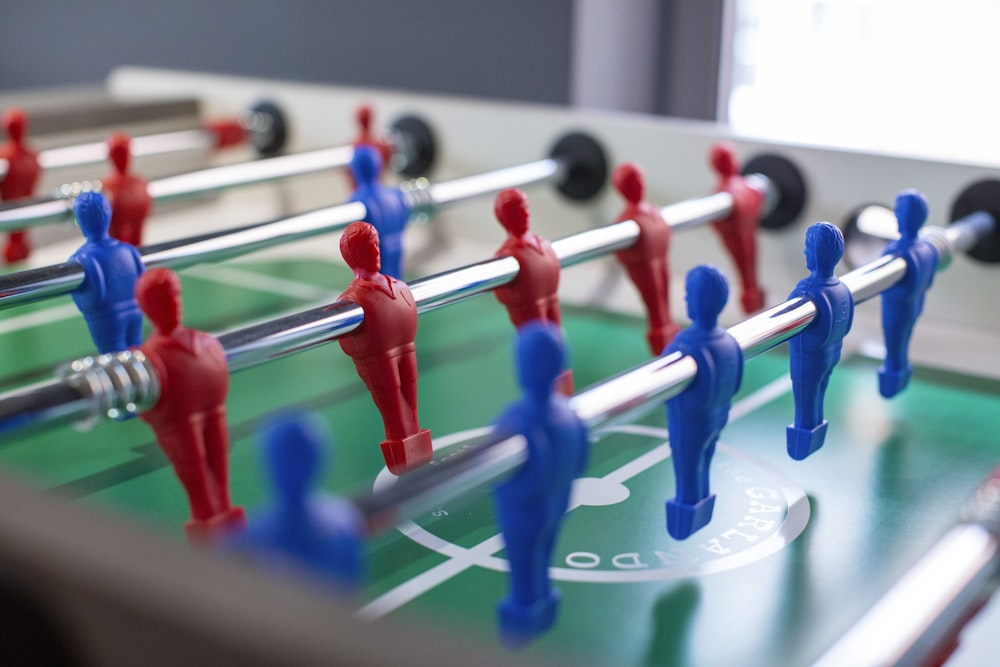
{"points": [[260, 282], [466, 558], [38, 318]]}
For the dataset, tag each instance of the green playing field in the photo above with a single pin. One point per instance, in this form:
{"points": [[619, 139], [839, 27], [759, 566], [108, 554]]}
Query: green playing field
{"points": [[796, 552]]}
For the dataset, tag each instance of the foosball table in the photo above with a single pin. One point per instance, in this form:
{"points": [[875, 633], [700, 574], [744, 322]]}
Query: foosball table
{"points": [[877, 548]]}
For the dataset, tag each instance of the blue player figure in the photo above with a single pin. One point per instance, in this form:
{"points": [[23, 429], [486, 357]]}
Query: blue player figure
{"points": [[106, 297], [902, 303], [531, 504], [696, 416], [388, 211], [816, 349], [304, 531]]}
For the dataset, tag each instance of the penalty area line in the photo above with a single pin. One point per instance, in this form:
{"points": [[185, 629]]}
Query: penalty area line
{"points": [[409, 590]]}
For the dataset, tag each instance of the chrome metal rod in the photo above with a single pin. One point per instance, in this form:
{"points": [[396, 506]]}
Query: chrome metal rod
{"points": [[495, 181], [97, 151], [273, 339], [922, 614], [258, 237], [624, 396], [153, 144], [254, 172], [59, 208], [49, 281], [35, 284], [293, 333]]}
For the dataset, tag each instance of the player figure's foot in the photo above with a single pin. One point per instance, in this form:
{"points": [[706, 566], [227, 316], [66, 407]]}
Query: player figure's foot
{"points": [[16, 248], [658, 339], [684, 519], [564, 383], [519, 623], [752, 299], [804, 441], [408, 453], [891, 383], [219, 527]]}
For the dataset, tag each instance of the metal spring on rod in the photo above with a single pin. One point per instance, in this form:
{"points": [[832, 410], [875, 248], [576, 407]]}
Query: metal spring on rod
{"points": [[119, 385]]}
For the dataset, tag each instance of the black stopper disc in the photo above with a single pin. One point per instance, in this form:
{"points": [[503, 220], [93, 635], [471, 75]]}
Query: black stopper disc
{"points": [[586, 165], [416, 146], [981, 196], [861, 247], [269, 130], [790, 183]]}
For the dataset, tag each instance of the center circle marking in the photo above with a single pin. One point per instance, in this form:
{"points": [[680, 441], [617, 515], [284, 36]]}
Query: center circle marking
{"points": [[774, 512]]}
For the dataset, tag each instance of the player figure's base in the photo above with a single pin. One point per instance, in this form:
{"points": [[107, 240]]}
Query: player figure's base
{"points": [[804, 441], [564, 383], [211, 531], [519, 624], [658, 339], [405, 454], [752, 299], [891, 383], [684, 519]]}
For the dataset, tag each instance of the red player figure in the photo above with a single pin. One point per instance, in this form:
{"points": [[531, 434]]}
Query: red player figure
{"points": [[367, 138], [739, 230], [383, 350], [363, 116], [21, 177], [534, 293], [646, 261], [128, 194], [189, 419]]}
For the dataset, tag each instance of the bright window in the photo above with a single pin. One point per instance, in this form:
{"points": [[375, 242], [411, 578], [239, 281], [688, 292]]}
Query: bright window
{"points": [[917, 77]]}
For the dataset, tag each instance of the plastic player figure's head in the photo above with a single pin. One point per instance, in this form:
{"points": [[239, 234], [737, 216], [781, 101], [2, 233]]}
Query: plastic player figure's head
{"points": [[158, 292], [293, 451], [119, 150], [722, 157], [707, 293], [359, 246], [93, 214], [511, 209], [15, 124], [911, 212], [824, 248], [540, 358], [628, 180], [366, 165]]}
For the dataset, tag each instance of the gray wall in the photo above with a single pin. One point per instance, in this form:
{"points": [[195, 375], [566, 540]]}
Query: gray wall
{"points": [[510, 49]]}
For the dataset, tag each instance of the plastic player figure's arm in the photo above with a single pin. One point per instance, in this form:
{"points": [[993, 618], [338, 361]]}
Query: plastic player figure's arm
{"points": [[303, 529], [739, 229], [189, 419], [386, 208], [531, 504], [128, 193], [903, 302], [815, 351], [22, 176], [696, 416], [383, 349], [106, 297], [647, 260]]}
